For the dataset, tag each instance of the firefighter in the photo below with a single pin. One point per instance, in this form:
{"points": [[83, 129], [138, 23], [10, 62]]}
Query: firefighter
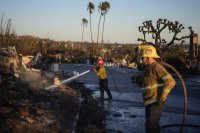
{"points": [[155, 83], [103, 80]]}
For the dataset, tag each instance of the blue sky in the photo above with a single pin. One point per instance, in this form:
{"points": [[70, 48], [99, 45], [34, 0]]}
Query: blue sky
{"points": [[61, 19]]}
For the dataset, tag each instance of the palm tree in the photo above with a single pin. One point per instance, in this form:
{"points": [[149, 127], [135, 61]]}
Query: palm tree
{"points": [[105, 8], [84, 24], [91, 8], [100, 6]]}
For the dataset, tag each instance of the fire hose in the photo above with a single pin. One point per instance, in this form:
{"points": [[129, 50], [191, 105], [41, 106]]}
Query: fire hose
{"points": [[185, 96], [185, 99], [162, 63], [185, 102], [68, 80]]}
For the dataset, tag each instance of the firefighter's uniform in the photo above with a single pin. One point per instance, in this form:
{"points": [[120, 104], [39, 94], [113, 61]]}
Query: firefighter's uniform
{"points": [[103, 80], [155, 83]]}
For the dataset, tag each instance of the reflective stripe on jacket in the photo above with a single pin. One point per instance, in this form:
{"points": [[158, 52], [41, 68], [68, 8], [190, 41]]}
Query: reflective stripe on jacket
{"points": [[156, 80]]}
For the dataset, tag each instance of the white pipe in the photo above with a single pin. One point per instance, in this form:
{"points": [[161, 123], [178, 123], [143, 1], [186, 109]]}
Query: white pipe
{"points": [[68, 80]]}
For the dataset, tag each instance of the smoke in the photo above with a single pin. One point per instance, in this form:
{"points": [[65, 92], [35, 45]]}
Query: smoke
{"points": [[35, 80]]}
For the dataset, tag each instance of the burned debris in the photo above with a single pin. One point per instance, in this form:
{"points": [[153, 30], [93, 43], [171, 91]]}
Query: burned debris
{"points": [[26, 106]]}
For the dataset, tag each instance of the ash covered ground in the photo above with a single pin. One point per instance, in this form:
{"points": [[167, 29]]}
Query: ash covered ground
{"points": [[76, 107]]}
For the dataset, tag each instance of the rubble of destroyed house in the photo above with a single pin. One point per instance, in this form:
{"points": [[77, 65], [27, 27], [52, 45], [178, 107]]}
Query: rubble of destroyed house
{"points": [[25, 105]]}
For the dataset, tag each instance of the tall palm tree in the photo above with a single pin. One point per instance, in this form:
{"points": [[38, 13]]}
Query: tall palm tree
{"points": [[105, 8], [84, 24], [100, 10], [91, 8]]}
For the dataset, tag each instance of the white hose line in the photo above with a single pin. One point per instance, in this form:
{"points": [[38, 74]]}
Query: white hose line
{"points": [[68, 80]]}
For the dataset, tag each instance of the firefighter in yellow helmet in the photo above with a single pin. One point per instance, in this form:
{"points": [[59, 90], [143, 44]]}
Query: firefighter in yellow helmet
{"points": [[155, 83], [103, 80]]}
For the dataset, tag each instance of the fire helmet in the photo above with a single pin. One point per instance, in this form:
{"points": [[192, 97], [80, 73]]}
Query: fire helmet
{"points": [[149, 51], [100, 62]]}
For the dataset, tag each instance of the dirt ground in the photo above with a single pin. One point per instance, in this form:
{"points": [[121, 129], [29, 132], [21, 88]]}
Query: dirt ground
{"points": [[65, 110]]}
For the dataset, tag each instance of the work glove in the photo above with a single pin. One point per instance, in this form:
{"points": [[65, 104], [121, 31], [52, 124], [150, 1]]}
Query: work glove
{"points": [[92, 69], [133, 78], [137, 78]]}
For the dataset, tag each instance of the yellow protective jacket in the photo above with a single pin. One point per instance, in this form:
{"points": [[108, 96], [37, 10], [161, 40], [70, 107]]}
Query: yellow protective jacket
{"points": [[155, 81], [101, 72]]}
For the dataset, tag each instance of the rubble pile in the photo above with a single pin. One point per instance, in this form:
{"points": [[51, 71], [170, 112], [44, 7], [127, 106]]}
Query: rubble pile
{"points": [[22, 110], [92, 114], [27, 107], [8, 59]]}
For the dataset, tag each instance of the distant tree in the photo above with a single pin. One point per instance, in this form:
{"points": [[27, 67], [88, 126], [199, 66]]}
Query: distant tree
{"points": [[100, 10], [127, 53], [84, 24], [105, 8], [6, 31], [91, 8], [155, 32]]}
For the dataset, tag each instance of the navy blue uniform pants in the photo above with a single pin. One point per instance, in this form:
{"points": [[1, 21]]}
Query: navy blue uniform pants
{"points": [[153, 114], [103, 86]]}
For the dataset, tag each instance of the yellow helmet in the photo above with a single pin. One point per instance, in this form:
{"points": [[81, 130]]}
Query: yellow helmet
{"points": [[149, 51]]}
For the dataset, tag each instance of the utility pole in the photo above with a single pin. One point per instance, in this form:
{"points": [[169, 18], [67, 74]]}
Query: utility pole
{"points": [[193, 53]]}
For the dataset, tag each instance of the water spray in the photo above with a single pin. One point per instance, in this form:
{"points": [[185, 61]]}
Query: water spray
{"points": [[67, 80]]}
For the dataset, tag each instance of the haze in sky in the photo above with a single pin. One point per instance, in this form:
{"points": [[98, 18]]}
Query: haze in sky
{"points": [[60, 20]]}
